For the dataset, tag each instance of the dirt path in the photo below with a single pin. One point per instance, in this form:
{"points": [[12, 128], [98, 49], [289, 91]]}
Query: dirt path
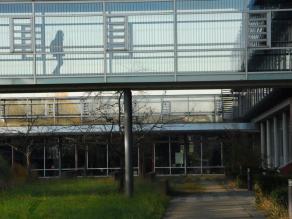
{"points": [[215, 201]]}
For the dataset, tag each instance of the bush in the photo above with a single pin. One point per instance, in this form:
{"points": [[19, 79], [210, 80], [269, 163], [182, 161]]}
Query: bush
{"points": [[271, 192], [280, 195], [269, 183], [5, 172]]}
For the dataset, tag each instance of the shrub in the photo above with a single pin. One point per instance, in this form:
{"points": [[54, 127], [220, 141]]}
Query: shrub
{"points": [[5, 172], [269, 183], [271, 194], [280, 195]]}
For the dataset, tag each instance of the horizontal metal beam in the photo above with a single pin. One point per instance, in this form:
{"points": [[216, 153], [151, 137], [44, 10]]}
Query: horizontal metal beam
{"points": [[75, 130], [41, 88]]}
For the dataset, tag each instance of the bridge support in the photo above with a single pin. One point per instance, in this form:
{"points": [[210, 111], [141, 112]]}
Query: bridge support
{"points": [[276, 142], [268, 136], [263, 144], [128, 138], [285, 137]]}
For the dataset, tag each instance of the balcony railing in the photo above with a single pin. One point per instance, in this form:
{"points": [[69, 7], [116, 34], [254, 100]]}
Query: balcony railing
{"points": [[106, 110]]}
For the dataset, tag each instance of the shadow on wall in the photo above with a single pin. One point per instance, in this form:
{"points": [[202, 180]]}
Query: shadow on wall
{"points": [[56, 48]]}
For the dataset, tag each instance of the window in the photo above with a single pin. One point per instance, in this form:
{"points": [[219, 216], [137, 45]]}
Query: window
{"points": [[21, 34], [117, 33], [259, 29]]}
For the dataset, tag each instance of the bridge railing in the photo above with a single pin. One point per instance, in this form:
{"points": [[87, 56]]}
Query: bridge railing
{"points": [[105, 110], [140, 41]]}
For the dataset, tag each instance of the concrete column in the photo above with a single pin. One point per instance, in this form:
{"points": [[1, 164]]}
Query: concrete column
{"points": [[128, 138], [263, 143], [276, 142], [285, 137], [268, 128]]}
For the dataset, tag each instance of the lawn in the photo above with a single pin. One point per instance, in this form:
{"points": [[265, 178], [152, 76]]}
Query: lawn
{"points": [[82, 198]]}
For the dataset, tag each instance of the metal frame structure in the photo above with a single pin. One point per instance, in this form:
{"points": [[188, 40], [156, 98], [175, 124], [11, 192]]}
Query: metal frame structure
{"points": [[169, 55], [85, 110], [202, 168]]}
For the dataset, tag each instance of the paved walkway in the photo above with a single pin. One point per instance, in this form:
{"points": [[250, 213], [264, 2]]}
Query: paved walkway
{"points": [[215, 202]]}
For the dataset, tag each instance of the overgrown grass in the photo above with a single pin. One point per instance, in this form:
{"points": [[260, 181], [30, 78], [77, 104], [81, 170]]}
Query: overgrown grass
{"points": [[271, 204], [185, 185], [82, 198]]}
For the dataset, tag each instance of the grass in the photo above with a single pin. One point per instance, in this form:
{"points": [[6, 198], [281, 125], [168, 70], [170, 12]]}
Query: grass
{"points": [[185, 185], [82, 198], [272, 208]]}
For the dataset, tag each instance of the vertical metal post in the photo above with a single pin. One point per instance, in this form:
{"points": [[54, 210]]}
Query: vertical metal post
{"points": [[12, 156], [285, 137], [169, 154], [76, 157], [104, 42], [60, 158], [221, 146], [249, 182], [290, 197], [86, 154], [185, 157], [107, 161], [246, 27], [289, 121], [154, 157], [34, 43], [43, 42], [175, 39], [263, 143], [215, 111], [201, 144], [44, 173], [128, 138], [268, 136], [138, 162], [276, 142]]}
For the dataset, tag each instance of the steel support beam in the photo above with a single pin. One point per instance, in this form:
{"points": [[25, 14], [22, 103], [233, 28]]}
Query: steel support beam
{"points": [[60, 156], [276, 142], [263, 143], [285, 138], [269, 146], [12, 156], [128, 138]]}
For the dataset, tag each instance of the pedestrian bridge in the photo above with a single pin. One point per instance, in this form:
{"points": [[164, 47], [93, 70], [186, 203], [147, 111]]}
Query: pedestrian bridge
{"points": [[144, 44]]}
